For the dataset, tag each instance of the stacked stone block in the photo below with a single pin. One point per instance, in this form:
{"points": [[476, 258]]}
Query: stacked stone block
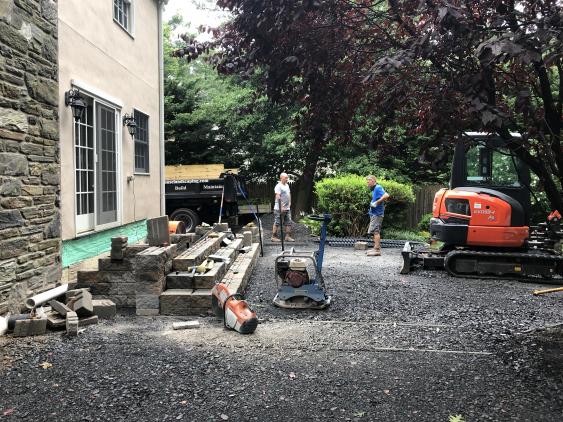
{"points": [[151, 267], [29, 149], [198, 253], [118, 246], [114, 279]]}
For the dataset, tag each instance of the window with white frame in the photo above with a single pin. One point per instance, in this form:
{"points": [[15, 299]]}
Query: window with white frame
{"points": [[122, 14], [141, 143]]}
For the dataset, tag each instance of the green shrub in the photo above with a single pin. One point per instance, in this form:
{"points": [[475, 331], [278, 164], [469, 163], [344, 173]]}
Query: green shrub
{"points": [[347, 198], [401, 195], [424, 222], [314, 225]]}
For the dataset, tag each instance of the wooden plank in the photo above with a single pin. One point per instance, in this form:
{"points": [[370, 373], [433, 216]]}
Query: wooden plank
{"points": [[194, 171]]}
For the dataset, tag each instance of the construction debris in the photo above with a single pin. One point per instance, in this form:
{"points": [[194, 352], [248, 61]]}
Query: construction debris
{"points": [[72, 309], [72, 324]]}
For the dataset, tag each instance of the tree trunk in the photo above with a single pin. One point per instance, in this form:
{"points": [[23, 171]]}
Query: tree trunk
{"points": [[304, 196]]}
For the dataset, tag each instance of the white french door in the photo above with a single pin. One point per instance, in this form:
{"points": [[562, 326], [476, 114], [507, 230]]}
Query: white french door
{"points": [[96, 167]]}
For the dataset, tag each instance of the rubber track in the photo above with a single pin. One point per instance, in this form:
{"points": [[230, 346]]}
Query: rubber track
{"points": [[524, 256]]}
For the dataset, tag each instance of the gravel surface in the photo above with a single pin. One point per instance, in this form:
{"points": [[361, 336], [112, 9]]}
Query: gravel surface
{"points": [[390, 347]]}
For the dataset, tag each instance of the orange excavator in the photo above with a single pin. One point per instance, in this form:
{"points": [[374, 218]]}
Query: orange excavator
{"points": [[481, 223]]}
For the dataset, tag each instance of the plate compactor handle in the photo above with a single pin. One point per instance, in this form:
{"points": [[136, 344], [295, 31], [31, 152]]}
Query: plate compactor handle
{"points": [[317, 217]]}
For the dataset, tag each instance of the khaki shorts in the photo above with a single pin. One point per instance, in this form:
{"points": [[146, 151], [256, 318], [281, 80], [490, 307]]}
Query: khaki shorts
{"points": [[286, 218], [375, 224]]}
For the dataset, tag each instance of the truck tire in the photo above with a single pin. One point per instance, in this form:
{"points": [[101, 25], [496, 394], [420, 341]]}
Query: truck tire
{"points": [[188, 216]]}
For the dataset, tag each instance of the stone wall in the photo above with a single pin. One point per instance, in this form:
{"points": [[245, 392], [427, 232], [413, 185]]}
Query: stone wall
{"points": [[29, 148]]}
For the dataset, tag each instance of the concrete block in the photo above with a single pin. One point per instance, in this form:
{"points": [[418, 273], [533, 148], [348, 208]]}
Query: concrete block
{"points": [[110, 264], [121, 301], [202, 230], [75, 292], [147, 301], [154, 258], [221, 227], [185, 302], [360, 246], [117, 253], [182, 241], [91, 320], [147, 312], [83, 305], [85, 277], [30, 327], [61, 308], [132, 250], [157, 231], [207, 280], [180, 280], [55, 321], [156, 288], [247, 238], [71, 324], [197, 253], [241, 269], [104, 308], [185, 325]]}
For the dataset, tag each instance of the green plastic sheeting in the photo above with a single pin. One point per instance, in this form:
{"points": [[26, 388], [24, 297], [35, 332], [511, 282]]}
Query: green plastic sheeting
{"points": [[81, 248]]}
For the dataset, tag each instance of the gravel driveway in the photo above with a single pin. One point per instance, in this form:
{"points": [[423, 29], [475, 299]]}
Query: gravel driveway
{"points": [[420, 347]]}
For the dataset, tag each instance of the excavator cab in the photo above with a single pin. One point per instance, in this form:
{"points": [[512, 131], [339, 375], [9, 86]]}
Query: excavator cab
{"points": [[484, 161], [482, 221], [488, 203]]}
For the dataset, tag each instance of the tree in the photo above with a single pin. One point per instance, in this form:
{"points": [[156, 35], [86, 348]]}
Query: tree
{"points": [[212, 118], [305, 62], [492, 65]]}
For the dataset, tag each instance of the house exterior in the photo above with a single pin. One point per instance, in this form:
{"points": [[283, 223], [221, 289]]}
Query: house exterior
{"points": [[111, 52], [68, 186]]}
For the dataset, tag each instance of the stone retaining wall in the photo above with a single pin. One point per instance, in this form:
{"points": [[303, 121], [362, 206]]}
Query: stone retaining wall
{"points": [[29, 149]]}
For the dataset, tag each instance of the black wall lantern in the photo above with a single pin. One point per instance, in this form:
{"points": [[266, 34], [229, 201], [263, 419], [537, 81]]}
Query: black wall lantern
{"points": [[129, 121], [76, 102]]}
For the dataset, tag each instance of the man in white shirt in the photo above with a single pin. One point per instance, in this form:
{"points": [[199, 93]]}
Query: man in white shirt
{"points": [[283, 195]]}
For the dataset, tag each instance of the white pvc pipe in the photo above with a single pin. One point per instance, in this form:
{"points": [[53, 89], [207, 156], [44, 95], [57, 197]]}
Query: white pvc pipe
{"points": [[37, 300]]}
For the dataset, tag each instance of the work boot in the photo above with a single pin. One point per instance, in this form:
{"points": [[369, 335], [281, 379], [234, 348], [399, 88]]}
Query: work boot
{"points": [[373, 252], [287, 237], [275, 237]]}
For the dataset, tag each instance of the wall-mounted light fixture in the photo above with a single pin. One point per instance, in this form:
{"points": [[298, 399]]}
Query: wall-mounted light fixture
{"points": [[76, 102], [129, 121]]}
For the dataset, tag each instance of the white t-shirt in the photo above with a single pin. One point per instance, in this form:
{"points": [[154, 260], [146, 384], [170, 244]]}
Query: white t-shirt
{"points": [[285, 195]]}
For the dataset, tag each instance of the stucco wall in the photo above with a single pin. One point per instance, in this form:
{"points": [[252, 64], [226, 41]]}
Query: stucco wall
{"points": [[95, 50], [29, 148]]}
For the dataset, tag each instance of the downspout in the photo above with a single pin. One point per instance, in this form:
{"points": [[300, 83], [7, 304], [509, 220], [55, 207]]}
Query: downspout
{"points": [[161, 4]]}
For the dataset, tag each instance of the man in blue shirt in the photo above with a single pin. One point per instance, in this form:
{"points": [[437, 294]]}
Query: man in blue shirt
{"points": [[376, 212]]}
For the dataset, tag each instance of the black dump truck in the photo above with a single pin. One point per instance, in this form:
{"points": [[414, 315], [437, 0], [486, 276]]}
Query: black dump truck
{"points": [[194, 192]]}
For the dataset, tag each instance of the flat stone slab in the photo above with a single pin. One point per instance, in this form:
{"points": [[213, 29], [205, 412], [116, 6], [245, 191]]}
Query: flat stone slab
{"points": [[185, 325], [185, 302], [197, 253]]}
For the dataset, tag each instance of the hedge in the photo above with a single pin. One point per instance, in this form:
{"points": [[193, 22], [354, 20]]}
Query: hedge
{"points": [[347, 198]]}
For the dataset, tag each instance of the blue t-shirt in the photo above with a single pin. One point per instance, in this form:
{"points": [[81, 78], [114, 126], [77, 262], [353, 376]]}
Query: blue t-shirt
{"points": [[378, 192]]}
